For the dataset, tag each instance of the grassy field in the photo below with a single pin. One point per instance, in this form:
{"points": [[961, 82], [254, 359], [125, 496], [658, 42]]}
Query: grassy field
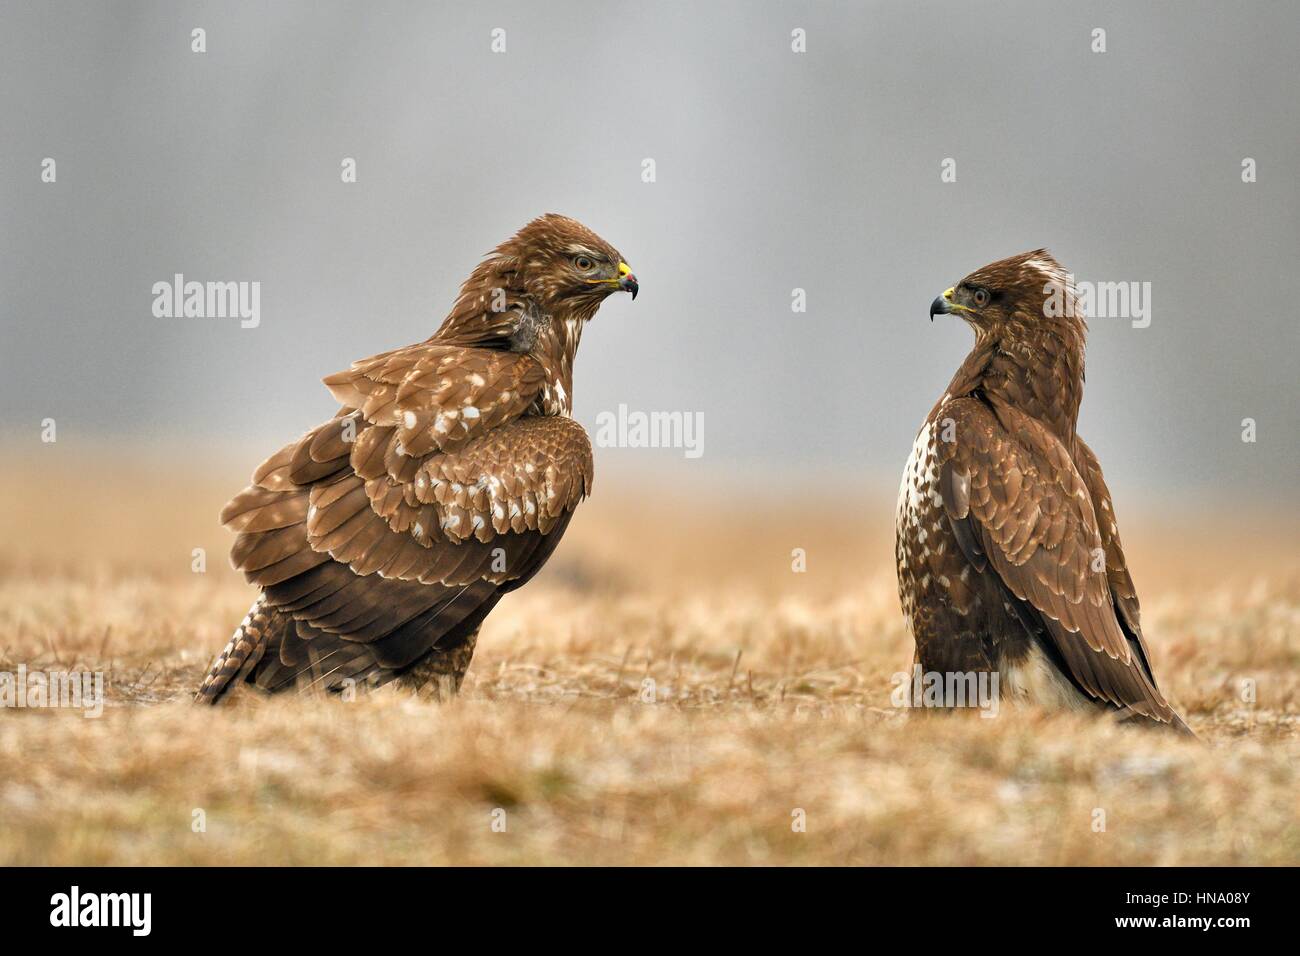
{"points": [[667, 691]]}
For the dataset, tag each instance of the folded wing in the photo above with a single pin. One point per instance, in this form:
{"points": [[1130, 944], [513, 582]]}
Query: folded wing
{"points": [[1019, 506], [397, 526]]}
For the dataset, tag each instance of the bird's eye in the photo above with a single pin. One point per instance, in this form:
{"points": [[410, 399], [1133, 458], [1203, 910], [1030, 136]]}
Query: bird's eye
{"points": [[981, 297], [583, 263]]}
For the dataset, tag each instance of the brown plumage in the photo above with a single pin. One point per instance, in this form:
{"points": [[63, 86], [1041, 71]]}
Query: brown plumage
{"points": [[382, 538], [1008, 549]]}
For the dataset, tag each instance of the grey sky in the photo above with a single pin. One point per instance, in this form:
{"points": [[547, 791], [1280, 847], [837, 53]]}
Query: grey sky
{"points": [[775, 170]]}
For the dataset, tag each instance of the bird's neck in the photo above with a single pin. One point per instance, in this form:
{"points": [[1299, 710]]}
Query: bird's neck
{"points": [[487, 307], [1037, 371], [555, 349], [495, 310]]}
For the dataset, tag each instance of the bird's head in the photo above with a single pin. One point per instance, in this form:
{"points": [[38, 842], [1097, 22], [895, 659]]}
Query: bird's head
{"points": [[564, 265], [1024, 292]]}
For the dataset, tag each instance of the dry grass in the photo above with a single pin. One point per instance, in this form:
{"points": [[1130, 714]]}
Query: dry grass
{"points": [[772, 695]]}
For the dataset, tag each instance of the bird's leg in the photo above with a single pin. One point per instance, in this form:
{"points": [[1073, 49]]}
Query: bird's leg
{"points": [[438, 675]]}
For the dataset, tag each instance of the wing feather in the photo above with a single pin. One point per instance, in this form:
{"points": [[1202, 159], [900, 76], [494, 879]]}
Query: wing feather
{"points": [[399, 523], [1015, 500]]}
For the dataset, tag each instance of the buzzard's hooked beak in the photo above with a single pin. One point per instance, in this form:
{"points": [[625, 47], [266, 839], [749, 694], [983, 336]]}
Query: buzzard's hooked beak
{"points": [[943, 305], [626, 281]]}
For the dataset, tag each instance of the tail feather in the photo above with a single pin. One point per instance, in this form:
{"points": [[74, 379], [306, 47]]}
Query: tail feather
{"points": [[240, 656]]}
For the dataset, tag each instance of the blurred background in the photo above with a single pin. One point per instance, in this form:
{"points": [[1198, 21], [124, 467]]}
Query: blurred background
{"points": [[775, 170]]}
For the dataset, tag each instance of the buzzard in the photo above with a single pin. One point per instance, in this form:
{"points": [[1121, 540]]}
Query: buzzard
{"points": [[1008, 550], [381, 539]]}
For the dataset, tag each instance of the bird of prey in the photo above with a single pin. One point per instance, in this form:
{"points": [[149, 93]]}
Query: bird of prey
{"points": [[381, 539], [1008, 549]]}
